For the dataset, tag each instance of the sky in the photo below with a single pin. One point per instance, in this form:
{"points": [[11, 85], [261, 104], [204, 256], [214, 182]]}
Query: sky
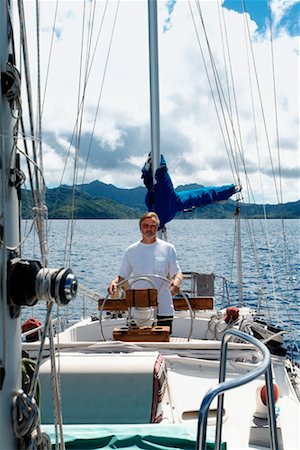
{"points": [[115, 126]]}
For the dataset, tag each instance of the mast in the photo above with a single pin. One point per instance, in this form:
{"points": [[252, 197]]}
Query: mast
{"points": [[10, 326], [154, 92], [154, 86]]}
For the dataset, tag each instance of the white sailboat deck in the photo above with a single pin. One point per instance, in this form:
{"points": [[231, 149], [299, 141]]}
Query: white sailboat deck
{"points": [[112, 383]]}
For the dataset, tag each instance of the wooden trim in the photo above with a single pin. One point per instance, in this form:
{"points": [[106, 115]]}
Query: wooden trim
{"points": [[113, 304], [197, 303], [142, 334], [141, 298]]}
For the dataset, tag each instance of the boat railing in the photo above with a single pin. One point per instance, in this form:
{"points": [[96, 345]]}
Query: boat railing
{"points": [[201, 284], [207, 285], [223, 291], [88, 295], [265, 367], [56, 324]]}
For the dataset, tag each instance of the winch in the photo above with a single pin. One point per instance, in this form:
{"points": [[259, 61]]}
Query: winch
{"points": [[29, 282]]}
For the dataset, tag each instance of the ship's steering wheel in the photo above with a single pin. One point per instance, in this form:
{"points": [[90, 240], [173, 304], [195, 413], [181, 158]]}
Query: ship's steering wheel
{"points": [[147, 277]]}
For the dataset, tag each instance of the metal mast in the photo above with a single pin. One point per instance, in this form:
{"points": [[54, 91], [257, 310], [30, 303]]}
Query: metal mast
{"points": [[10, 326], [154, 91], [154, 86]]}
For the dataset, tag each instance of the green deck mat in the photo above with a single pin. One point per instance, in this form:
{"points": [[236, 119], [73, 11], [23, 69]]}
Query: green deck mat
{"points": [[144, 436]]}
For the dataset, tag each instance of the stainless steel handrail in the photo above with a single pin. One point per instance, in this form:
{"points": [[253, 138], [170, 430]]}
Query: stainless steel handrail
{"points": [[265, 367], [40, 328]]}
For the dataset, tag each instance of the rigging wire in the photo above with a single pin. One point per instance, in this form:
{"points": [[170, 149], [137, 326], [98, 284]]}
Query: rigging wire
{"points": [[286, 246], [39, 196], [101, 91], [37, 163], [233, 90], [224, 55], [248, 222], [39, 107], [80, 107], [49, 56], [68, 250], [226, 112], [20, 118], [222, 97], [275, 101], [31, 180], [265, 231], [41, 192], [250, 227], [288, 263], [262, 108], [77, 133], [36, 208], [223, 104], [231, 160], [24, 47], [57, 405], [78, 110]]}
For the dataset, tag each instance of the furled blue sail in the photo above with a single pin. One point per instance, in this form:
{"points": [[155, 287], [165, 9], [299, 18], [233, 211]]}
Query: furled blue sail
{"points": [[162, 198]]}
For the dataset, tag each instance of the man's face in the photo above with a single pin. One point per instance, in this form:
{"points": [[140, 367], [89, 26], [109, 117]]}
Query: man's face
{"points": [[149, 227]]}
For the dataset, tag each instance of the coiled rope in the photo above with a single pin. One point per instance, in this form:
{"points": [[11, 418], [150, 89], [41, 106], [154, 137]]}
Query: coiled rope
{"points": [[26, 423]]}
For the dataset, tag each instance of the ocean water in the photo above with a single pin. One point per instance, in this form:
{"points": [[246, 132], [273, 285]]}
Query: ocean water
{"points": [[270, 254]]}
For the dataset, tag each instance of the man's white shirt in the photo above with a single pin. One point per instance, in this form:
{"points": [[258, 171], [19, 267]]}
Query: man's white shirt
{"points": [[158, 258]]}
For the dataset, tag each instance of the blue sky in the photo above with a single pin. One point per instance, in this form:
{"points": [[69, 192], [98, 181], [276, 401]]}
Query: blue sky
{"points": [[259, 12]]}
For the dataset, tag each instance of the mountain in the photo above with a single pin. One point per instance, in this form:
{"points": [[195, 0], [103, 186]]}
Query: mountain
{"points": [[127, 197], [226, 210], [59, 201], [98, 200]]}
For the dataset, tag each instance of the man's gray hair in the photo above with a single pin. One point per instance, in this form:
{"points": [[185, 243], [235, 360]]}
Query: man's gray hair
{"points": [[148, 215]]}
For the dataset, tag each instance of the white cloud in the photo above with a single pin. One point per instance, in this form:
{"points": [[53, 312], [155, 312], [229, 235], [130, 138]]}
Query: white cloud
{"points": [[279, 9], [52, 164], [190, 135]]}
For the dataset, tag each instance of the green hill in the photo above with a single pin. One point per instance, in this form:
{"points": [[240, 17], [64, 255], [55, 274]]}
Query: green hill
{"points": [[98, 200], [126, 197], [59, 203]]}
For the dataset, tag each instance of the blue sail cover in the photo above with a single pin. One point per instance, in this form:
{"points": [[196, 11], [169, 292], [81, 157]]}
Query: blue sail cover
{"points": [[166, 202]]}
